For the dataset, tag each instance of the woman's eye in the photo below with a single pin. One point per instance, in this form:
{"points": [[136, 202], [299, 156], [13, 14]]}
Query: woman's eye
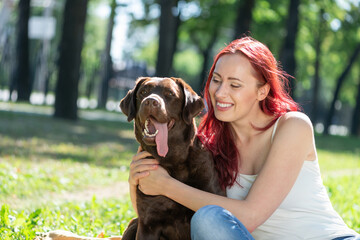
{"points": [[235, 86], [215, 80]]}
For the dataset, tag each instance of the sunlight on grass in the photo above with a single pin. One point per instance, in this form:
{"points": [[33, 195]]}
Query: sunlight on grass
{"points": [[21, 180], [42, 157], [344, 193], [334, 161], [110, 216]]}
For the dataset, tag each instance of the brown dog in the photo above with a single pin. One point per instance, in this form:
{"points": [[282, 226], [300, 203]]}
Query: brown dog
{"points": [[164, 111]]}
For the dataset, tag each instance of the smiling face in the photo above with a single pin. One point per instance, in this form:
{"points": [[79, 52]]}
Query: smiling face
{"points": [[164, 111], [234, 88]]}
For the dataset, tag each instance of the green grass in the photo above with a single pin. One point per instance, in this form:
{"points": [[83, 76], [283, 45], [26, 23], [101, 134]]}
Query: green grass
{"points": [[43, 159], [339, 159], [344, 192], [87, 219]]}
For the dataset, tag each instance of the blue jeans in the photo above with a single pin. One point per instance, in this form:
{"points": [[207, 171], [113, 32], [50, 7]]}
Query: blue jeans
{"points": [[348, 238], [217, 223]]}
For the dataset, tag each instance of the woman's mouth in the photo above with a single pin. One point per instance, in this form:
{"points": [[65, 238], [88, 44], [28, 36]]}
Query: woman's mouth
{"points": [[223, 106]]}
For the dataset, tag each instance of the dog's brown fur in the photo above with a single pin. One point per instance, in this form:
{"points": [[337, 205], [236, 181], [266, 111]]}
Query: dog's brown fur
{"points": [[172, 101]]}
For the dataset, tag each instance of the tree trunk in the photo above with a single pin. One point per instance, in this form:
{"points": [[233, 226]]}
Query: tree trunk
{"points": [[287, 56], [107, 62], [206, 57], [90, 84], [169, 25], [355, 123], [70, 59], [340, 81], [244, 18], [21, 73], [316, 83]]}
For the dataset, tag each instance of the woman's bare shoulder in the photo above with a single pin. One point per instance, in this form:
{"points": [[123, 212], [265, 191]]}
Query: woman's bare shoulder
{"points": [[296, 124], [296, 119]]}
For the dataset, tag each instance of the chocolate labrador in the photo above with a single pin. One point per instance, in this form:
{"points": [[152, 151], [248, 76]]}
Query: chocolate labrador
{"points": [[164, 111]]}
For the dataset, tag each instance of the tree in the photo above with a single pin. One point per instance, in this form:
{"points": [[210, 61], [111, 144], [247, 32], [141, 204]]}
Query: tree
{"points": [[339, 84], [168, 27], [21, 72], [316, 82], [355, 124], [107, 62], [244, 18], [287, 56], [70, 59]]}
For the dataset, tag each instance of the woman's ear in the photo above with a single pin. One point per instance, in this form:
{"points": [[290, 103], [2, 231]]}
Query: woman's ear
{"points": [[263, 91]]}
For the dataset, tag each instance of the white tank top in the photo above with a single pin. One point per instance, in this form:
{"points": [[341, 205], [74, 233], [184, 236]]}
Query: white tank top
{"points": [[305, 213]]}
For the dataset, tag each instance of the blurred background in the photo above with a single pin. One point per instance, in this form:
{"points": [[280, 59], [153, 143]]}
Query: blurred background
{"points": [[65, 147], [86, 54]]}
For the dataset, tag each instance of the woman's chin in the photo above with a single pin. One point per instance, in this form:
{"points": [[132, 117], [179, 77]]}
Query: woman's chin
{"points": [[223, 117]]}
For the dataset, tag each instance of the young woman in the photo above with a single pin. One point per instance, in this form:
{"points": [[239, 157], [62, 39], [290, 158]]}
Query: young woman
{"points": [[264, 152]]}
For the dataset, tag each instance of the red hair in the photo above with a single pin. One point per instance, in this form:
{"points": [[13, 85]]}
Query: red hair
{"points": [[216, 135]]}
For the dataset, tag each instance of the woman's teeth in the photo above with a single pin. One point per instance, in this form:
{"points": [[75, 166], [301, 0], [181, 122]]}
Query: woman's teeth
{"points": [[223, 104]]}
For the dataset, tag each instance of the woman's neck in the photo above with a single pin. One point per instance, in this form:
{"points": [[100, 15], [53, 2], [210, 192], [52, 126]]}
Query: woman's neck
{"points": [[245, 129]]}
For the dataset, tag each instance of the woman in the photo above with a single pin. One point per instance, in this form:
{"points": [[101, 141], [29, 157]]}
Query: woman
{"points": [[264, 152]]}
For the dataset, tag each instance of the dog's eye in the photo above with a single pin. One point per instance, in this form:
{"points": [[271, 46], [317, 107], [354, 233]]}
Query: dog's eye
{"points": [[143, 92], [171, 94]]}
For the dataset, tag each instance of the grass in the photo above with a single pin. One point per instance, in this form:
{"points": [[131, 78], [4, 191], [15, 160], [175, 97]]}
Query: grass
{"points": [[43, 159]]}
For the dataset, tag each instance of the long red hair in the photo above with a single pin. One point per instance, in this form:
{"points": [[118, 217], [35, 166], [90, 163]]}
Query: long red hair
{"points": [[216, 135]]}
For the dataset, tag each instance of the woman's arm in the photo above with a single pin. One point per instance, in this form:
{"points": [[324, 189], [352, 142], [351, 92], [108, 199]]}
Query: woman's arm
{"points": [[292, 143]]}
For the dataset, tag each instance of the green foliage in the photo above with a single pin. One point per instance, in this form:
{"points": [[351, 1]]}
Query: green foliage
{"points": [[337, 46], [147, 54], [190, 64], [94, 46], [88, 219], [14, 225]]}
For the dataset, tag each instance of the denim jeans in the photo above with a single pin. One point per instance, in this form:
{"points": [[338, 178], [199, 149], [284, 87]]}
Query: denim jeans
{"points": [[348, 238], [216, 223]]}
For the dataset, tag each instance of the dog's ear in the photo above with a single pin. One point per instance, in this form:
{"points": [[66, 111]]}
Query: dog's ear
{"points": [[128, 103], [193, 103]]}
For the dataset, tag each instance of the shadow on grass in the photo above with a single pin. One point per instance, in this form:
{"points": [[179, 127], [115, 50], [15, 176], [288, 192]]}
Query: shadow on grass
{"points": [[338, 143], [36, 136]]}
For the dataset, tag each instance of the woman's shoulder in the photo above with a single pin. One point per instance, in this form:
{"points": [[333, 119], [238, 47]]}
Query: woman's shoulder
{"points": [[295, 122], [296, 118]]}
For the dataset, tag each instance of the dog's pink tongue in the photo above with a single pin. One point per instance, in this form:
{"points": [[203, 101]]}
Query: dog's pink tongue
{"points": [[161, 138]]}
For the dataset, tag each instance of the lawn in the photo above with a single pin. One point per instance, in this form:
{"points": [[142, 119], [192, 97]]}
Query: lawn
{"points": [[47, 165]]}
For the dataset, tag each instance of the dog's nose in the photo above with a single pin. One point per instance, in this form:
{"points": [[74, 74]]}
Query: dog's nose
{"points": [[152, 102]]}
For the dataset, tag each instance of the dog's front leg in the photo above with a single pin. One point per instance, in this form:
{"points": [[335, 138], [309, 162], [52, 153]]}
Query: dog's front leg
{"points": [[130, 231], [148, 233]]}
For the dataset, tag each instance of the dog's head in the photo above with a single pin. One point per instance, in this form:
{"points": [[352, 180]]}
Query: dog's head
{"points": [[159, 105]]}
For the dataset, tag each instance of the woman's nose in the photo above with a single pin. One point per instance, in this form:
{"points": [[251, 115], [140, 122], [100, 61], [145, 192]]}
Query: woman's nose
{"points": [[221, 91]]}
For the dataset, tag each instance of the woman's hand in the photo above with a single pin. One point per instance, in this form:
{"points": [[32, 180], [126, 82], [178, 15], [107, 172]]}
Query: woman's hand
{"points": [[153, 183], [141, 166]]}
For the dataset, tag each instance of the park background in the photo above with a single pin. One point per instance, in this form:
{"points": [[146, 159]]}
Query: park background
{"points": [[65, 146]]}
